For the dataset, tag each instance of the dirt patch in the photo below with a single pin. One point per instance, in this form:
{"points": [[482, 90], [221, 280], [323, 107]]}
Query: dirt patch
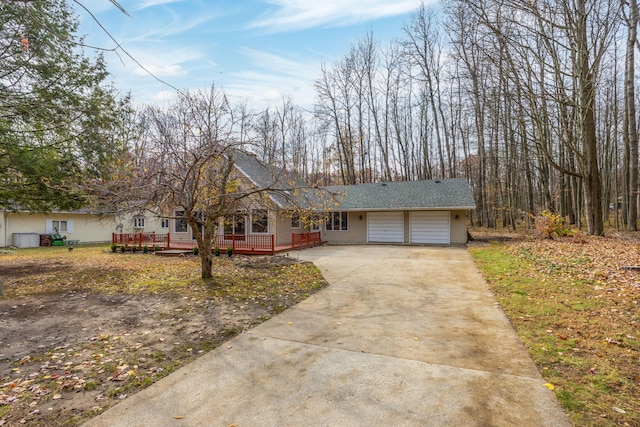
{"points": [[69, 350]]}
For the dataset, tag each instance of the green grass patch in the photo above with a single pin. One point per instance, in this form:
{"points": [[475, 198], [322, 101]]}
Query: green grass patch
{"points": [[572, 332]]}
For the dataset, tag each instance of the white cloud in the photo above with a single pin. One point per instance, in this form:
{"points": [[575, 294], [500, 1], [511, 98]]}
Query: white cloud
{"points": [[151, 3], [164, 96], [272, 77], [161, 70], [300, 14]]}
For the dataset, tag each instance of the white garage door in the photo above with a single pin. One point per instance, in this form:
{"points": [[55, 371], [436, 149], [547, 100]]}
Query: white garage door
{"points": [[429, 227], [385, 227]]}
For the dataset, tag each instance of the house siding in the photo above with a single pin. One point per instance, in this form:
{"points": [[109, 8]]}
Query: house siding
{"points": [[458, 227], [356, 233], [87, 228]]}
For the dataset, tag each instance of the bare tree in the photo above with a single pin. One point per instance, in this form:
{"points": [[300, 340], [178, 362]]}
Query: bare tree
{"points": [[185, 163], [630, 129]]}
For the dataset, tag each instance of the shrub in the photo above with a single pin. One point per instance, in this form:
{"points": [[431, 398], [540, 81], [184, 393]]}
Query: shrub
{"points": [[229, 251], [547, 224], [145, 249], [156, 248], [123, 248], [134, 248], [216, 251], [196, 251], [114, 247], [579, 238]]}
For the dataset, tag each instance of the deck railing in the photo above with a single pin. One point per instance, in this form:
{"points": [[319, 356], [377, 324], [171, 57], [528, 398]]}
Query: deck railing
{"points": [[247, 243], [302, 240], [241, 243], [141, 239]]}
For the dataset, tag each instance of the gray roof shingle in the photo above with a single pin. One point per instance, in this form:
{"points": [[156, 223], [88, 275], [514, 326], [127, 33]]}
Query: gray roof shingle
{"points": [[285, 189], [397, 195], [407, 195]]}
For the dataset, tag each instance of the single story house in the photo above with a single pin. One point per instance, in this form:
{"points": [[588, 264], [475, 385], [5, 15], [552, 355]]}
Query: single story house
{"points": [[402, 212], [23, 229]]}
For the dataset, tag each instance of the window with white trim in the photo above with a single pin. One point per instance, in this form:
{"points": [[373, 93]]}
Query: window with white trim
{"points": [[337, 221], [295, 220], [259, 221], [234, 224], [180, 225], [138, 222], [61, 226]]}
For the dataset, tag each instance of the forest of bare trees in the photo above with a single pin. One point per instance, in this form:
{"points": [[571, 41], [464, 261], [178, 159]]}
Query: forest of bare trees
{"points": [[533, 102]]}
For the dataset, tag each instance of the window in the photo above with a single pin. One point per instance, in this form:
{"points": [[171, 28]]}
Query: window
{"points": [[315, 223], [260, 221], [61, 226], [164, 223], [295, 220], [234, 224], [337, 221], [181, 223], [138, 222]]}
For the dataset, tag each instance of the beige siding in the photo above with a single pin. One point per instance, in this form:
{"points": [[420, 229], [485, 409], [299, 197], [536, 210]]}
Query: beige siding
{"points": [[356, 234], [152, 224], [283, 228], [86, 228], [458, 227]]}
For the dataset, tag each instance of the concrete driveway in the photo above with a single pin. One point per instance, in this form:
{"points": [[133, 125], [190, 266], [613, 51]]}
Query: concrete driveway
{"points": [[404, 336]]}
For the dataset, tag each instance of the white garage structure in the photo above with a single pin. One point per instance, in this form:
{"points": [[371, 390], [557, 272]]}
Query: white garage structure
{"points": [[430, 227], [401, 212], [385, 227]]}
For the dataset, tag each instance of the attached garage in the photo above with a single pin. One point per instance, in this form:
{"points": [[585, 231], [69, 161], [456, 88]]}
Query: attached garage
{"points": [[429, 227], [385, 227], [430, 212]]}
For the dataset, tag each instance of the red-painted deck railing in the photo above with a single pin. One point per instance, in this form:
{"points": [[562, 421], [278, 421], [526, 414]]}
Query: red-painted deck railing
{"points": [[300, 240], [141, 239], [247, 242]]}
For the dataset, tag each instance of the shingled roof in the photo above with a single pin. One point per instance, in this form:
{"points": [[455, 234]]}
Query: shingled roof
{"points": [[396, 195], [284, 188], [406, 195]]}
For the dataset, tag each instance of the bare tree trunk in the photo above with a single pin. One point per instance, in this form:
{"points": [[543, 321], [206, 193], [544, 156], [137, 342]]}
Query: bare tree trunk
{"points": [[630, 131]]}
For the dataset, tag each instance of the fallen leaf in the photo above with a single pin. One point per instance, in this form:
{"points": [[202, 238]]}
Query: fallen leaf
{"points": [[618, 410], [549, 386], [178, 417]]}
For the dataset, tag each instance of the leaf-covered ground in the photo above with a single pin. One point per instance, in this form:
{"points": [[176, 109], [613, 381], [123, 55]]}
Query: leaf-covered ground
{"points": [[575, 302], [82, 330]]}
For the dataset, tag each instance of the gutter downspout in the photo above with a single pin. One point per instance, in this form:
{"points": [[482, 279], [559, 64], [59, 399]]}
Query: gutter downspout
{"points": [[6, 228]]}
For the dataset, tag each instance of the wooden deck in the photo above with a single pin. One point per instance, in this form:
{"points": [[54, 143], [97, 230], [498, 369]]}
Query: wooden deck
{"points": [[249, 244]]}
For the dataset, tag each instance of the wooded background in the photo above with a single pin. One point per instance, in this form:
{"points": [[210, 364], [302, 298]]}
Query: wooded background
{"points": [[533, 102]]}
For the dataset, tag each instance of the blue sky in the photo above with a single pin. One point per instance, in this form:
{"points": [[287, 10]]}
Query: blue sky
{"points": [[257, 50]]}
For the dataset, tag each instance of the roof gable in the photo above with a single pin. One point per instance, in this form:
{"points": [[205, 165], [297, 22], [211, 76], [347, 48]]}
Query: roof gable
{"points": [[281, 186]]}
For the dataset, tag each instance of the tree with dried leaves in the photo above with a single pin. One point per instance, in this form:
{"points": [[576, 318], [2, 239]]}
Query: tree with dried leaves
{"points": [[184, 167]]}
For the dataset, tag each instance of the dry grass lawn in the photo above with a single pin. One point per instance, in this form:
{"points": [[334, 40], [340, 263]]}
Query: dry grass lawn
{"points": [[82, 330]]}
